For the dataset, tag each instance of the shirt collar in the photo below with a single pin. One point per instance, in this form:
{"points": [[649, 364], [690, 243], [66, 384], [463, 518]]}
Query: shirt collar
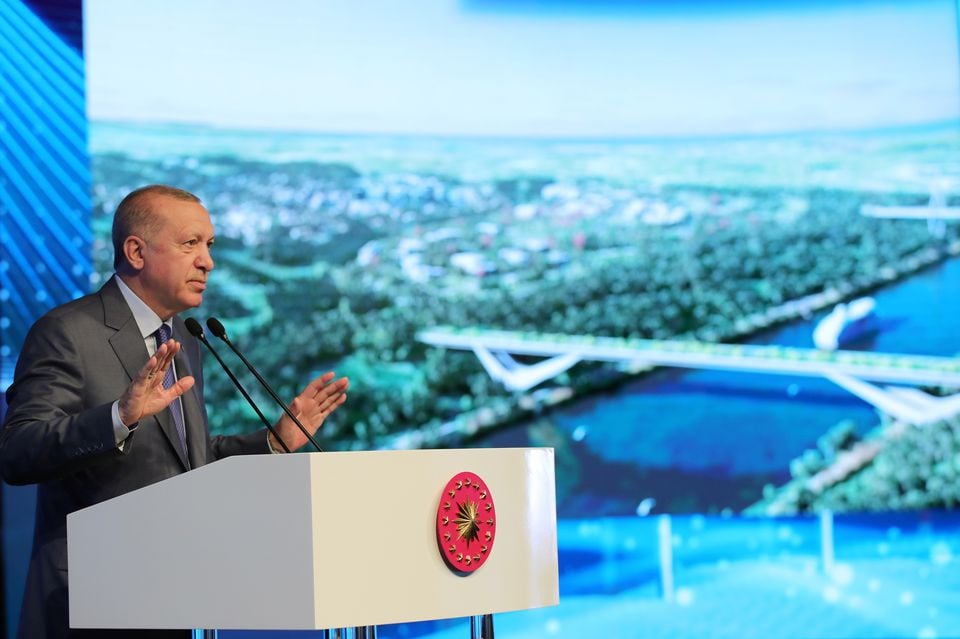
{"points": [[147, 320]]}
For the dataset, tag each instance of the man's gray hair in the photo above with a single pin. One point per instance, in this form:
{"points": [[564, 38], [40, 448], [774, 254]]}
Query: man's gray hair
{"points": [[135, 216]]}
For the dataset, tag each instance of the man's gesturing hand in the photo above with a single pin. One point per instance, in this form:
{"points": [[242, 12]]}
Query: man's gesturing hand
{"points": [[146, 396], [321, 397]]}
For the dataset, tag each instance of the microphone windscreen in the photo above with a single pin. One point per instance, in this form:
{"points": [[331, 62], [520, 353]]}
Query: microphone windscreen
{"points": [[216, 327], [194, 327]]}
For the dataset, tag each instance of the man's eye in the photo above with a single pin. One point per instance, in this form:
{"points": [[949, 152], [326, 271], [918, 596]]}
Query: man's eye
{"points": [[191, 242]]}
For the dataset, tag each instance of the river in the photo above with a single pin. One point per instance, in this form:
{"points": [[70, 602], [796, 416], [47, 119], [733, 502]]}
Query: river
{"points": [[708, 441]]}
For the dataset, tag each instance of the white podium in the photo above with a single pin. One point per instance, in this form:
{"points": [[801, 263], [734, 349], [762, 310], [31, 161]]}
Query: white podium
{"points": [[311, 541]]}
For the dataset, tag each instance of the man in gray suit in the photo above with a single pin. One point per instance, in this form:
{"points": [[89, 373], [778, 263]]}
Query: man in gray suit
{"points": [[108, 394]]}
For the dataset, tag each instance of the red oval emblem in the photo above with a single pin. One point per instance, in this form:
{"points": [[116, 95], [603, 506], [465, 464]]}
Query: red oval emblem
{"points": [[466, 522]]}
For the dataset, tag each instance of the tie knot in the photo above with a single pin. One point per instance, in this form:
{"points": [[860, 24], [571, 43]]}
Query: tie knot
{"points": [[163, 334]]}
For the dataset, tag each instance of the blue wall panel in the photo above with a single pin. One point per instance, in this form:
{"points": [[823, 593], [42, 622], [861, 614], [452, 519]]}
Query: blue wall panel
{"points": [[45, 233], [44, 168]]}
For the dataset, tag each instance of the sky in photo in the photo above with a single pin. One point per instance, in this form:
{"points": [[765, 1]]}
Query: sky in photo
{"points": [[495, 68]]}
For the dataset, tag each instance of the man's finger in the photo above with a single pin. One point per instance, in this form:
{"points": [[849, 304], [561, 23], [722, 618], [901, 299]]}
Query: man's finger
{"points": [[156, 365], [151, 369], [319, 384], [166, 353], [323, 410], [170, 350], [182, 386], [332, 400], [333, 388]]}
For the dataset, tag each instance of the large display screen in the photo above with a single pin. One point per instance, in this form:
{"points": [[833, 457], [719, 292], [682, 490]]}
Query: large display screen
{"points": [[706, 251]]}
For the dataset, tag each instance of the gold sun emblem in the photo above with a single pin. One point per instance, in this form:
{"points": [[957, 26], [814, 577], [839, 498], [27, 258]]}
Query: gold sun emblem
{"points": [[468, 525]]}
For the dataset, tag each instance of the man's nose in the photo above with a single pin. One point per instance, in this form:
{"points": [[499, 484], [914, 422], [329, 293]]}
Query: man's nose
{"points": [[205, 260]]}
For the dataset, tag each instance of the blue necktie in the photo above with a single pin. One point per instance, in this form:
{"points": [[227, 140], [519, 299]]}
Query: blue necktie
{"points": [[162, 335]]}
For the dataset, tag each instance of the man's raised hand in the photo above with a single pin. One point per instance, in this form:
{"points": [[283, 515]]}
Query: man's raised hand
{"points": [[146, 396], [321, 397]]}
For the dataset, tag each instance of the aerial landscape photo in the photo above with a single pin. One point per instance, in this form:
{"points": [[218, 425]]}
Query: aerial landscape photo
{"points": [[707, 254]]}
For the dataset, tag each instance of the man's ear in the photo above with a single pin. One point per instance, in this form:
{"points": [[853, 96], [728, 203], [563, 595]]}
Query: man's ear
{"points": [[133, 248]]}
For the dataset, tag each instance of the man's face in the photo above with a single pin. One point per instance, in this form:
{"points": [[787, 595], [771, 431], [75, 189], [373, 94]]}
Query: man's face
{"points": [[176, 257]]}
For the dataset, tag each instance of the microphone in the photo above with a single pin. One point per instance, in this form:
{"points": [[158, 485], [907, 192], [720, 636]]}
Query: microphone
{"points": [[194, 327], [219, 331]]}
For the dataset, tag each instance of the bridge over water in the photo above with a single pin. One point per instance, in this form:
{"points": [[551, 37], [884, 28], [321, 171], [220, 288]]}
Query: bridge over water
{"points": [[880, 367], [849, 369]]}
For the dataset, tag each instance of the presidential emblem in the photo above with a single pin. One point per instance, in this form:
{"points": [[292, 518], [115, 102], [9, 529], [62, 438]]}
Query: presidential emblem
{"points": [[466, 522]]}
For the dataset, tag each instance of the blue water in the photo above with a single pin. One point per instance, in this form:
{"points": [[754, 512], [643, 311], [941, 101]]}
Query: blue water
{"points": [[892, 575], [705, 441]]}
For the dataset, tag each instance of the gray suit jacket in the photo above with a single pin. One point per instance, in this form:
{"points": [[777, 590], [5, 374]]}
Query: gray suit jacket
{"points": [[76, 361]]}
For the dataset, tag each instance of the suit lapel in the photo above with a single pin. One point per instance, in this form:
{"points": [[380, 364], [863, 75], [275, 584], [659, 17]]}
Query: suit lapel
{"points": [[128, 344], [165, 420]]}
